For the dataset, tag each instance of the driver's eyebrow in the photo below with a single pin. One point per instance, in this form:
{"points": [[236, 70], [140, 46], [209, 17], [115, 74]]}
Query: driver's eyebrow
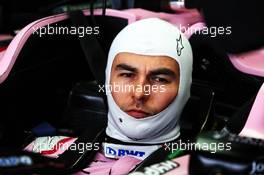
{"points": [[124, 66], [162, 71]]}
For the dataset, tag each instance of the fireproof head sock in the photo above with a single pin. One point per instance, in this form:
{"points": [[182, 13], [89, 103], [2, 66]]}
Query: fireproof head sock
{"points": [[152, 37]]}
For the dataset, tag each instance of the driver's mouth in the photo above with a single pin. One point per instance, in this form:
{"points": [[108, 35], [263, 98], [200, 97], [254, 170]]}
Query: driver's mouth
{"points": [[137, 113]]}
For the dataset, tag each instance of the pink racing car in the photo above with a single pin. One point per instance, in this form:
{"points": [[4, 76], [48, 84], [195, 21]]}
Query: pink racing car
{"points": [[44, 77]]}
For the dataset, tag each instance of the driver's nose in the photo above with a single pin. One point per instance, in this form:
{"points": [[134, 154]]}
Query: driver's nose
{"points": [[139, 93]]}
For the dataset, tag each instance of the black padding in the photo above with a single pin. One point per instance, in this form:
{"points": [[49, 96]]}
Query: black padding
{"points": [[85, 95], [85, 108], [237, 122], [190, 4], [94, 54], [93, 51], [1, 17], [210, 164], [5, 43], [212, 68], [228, 154], [15, 14], [198, 112], [245, 19], [153, 5]]}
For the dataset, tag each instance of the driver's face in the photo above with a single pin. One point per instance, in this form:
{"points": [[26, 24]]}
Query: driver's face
{"points": [[144, 85]]}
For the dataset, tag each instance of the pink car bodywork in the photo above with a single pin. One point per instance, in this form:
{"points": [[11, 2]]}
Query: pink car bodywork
{"points": [[250, 62], [254, 126]]}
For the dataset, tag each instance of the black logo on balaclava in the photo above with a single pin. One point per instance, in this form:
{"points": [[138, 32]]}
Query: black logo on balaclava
{"points": [[179, 46]]}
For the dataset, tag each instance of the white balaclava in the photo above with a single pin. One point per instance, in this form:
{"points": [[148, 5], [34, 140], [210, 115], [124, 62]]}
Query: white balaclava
{"points": [[152, 37]]}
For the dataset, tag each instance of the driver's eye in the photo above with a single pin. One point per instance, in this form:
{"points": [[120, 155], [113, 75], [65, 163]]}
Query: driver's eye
{"points": [[126, 75], [159, 80]]}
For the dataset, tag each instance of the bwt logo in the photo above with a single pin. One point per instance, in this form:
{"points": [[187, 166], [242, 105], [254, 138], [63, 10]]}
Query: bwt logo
{"points": [[123, 152]]}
